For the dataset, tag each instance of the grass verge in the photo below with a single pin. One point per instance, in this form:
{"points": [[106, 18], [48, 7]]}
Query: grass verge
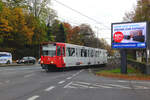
{"points": [[132, 74]]}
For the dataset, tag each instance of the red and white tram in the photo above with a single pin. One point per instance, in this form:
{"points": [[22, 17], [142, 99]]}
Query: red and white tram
{"points": [[62, 55]]}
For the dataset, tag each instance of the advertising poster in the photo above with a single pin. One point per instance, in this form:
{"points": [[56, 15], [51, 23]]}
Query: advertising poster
{"points": [[129, 35]]}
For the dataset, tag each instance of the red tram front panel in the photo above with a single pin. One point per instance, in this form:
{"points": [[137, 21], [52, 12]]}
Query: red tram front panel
{"points": [[52, 54]]}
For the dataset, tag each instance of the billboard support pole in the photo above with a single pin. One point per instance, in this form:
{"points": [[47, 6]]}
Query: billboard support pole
{"points": [[147, 53], [147, 62], [123, 61]]}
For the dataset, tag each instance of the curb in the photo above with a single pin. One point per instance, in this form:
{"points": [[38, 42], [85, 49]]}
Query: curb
{"points": [[8, 65], [126, 77]]}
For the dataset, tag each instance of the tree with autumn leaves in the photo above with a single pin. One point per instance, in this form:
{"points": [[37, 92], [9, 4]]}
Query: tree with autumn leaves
{"points": [[5, 29], [20, 30], [140, 13], [25, 24], [73, 34]]}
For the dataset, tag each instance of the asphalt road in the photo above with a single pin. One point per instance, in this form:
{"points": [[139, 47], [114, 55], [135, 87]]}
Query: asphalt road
{"points": [[32, 83]]}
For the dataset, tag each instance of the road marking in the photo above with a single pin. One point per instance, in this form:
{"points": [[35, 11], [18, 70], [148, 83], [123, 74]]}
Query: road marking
{"points": [[93, 85], [61, 82], [26, 76], [8, 81], [133, 81], [81, 70], [69, 78], [21, 69], [74, 75], [120, 86], [71, 87], [67, 85], [30, 68], [141, 87], [50, 88], [83, 83], [144, 82], [102, 86], [122, 81], [80, 85], [33, 97], [8, 69]]}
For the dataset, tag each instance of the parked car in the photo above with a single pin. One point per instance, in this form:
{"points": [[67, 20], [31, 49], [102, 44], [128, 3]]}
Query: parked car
{"points": [[26, 60]]}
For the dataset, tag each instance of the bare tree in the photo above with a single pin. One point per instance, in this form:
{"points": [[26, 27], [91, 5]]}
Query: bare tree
{"points": [[42, 10]]}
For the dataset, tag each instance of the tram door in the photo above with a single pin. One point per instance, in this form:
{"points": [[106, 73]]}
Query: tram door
{"points": [[60, 55]]}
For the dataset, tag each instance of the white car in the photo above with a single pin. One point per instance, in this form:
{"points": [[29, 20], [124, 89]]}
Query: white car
{"points": [[5, 58]]}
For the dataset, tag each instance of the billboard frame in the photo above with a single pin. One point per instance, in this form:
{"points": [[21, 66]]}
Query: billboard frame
{"points": [[147, 30]]}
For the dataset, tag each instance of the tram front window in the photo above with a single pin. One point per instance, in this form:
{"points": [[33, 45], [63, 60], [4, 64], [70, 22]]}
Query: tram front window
{"points": [[49, 51]]}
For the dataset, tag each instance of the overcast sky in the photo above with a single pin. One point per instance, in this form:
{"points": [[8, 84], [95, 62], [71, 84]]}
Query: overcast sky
{"points": [[103, 11]]}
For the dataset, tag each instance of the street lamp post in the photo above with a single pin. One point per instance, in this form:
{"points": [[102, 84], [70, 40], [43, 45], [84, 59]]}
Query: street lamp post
{"points": [[97, 36]]}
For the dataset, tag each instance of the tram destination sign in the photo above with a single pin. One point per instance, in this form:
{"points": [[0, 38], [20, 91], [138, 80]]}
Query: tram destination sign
{"points": [[128, 35]]}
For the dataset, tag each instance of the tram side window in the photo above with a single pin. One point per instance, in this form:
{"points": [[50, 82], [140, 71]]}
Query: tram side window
{"points": [[99, 53], [82, 53], [88, 53], [58, 51], [96, 54], [79, 51], [76, 52], [63, 51], [92, 53], [68, 52], [71, 51], [85, 53]]}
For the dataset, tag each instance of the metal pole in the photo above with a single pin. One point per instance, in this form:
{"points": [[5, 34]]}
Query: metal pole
{"points": [[39, 50], [123, 62], [97, 38], [147, 71], [147, 55]]}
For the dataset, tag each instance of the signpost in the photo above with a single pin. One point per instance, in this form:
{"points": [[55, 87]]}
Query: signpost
{"points": [[128, 36]]}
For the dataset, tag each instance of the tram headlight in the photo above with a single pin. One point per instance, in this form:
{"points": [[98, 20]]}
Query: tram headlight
{"points": [[42, 62], [52, 62]]}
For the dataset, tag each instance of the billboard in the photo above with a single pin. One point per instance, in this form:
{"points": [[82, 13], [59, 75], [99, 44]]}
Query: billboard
{"points": [[129, 35]]}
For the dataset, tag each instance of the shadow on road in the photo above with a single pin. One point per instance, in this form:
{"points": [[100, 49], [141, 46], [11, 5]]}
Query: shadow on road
{"points": [[74, 68]]}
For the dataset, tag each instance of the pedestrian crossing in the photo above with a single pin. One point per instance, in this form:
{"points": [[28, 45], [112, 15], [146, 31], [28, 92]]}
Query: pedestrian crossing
{"points": [[85, 85]]}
